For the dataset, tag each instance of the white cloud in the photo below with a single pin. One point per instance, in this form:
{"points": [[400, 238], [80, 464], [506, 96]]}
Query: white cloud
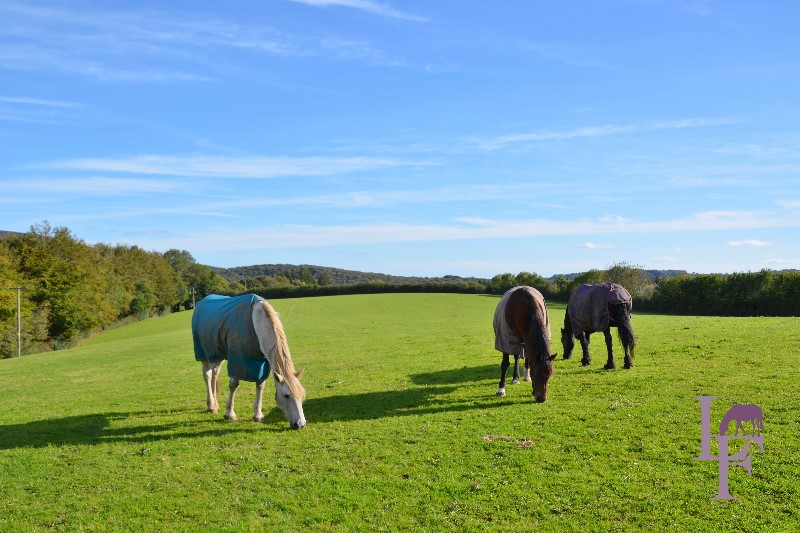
{"points": [[593, 246], [598, 131], [783, 262], [36, 101], [665, 259], [749, 242], [95, 186], [231, 167], [293, 236], [375, 8]]}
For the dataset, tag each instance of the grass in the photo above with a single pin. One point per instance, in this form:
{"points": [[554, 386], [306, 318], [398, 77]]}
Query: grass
{"points": [[404, 430]]}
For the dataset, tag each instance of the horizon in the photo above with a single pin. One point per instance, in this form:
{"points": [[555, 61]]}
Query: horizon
{"points": [[409, 138]]}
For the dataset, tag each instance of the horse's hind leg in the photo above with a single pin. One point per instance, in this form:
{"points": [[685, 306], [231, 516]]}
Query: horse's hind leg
{"points": [[610, 347], [501, 389], [233, 385], [258, 416], [584, 340], [515, 379]]}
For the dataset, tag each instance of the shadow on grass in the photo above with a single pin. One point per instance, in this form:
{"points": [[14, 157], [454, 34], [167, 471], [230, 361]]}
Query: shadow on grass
{"points": [[97, 429], [132, 427], [459, 375]]}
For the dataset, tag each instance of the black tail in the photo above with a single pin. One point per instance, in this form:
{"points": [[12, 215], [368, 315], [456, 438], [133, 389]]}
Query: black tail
{"points": [[621, 315]]}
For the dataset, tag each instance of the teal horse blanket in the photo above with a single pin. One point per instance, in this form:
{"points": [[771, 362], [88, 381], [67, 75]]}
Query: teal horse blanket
{"points": [[222, 328]]}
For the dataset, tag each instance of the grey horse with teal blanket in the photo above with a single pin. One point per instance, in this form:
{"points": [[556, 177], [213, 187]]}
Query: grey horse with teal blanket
{"points": [[247, 332]]}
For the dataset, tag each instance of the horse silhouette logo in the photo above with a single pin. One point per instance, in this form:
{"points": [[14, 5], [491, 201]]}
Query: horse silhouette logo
{"points": [[741, 414]]}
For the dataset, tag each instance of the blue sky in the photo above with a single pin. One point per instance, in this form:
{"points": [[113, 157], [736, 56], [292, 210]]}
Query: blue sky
{"points": [[409, 137]]}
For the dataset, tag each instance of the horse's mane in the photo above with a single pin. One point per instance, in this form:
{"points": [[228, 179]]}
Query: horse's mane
{"points": [[539, 328], [539, 331], [283, 358]]}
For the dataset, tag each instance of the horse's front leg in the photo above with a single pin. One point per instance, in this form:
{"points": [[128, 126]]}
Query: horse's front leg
{"points": [[610, 347], [501, 389], [527, 362], [233, 385], [584, 340], [211, 379], [258, 416]]}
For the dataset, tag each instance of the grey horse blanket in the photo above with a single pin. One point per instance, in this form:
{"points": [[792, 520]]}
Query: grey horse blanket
{"points": [[588, 306], [222, 328], [504, 339]]}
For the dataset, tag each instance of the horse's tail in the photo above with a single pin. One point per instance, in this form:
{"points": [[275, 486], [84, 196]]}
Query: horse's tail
{"points": [[621, 315], [283, 357]]}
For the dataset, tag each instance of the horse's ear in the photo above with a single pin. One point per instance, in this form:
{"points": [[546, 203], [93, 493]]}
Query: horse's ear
{"points": [[279, 378], [553, 357], [299, 375]]}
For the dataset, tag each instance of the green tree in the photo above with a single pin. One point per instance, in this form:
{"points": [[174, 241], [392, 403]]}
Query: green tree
{"points": [[634, 278]]}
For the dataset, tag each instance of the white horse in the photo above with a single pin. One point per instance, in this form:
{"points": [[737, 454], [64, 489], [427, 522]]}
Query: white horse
{"points": [[248, 348]]}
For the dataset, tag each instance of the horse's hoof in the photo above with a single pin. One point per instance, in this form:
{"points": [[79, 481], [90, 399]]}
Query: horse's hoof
{"points": [[528, 379], [585, 362], [610, 366], [231, 417], [501, 393], [258, 419], [627, 366], [514, 381]]}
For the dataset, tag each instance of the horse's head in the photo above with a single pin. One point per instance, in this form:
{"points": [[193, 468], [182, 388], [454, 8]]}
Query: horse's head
{"points": [[289, 397], [542, 372], [568, 342]]}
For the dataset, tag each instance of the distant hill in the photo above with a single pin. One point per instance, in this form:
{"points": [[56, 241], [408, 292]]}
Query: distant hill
{"points": [[4, 234], [335, 276]]}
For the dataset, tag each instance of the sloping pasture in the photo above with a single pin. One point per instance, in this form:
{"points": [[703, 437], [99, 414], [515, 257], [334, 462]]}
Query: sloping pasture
{"points": [[404, 430]]}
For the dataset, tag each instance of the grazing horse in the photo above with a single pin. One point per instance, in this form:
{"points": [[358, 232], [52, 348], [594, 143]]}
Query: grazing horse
{"points": [[594, 308], [741, 413], [247, 332], [521, 326]]}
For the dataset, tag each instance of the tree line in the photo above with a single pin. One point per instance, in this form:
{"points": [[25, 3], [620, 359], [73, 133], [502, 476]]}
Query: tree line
{"points": [[763, 293], [70, 289]]}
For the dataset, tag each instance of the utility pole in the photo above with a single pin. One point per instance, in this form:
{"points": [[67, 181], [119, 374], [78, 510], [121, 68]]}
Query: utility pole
{"points": [[19, 317]]}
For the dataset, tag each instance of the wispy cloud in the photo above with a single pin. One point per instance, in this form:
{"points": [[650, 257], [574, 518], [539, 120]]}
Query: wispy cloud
{"points": [[36, 101], [384, 10], [593, 246], [232, 167], [298, 235], [160, 46], [94, 186], [34, 110], [749, 242], [665, 259], [503, 141]]}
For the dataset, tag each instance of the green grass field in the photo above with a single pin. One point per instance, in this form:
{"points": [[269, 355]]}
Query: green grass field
{"points": [[404, 430]]}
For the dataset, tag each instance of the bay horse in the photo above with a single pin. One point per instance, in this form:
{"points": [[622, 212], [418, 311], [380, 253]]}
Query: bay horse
{"points": [[595, 308], [522, 327], [247, 332]]}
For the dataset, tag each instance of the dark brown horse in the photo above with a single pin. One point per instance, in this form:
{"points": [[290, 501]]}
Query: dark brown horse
{"points": [[521, 326], [594, 308]]}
